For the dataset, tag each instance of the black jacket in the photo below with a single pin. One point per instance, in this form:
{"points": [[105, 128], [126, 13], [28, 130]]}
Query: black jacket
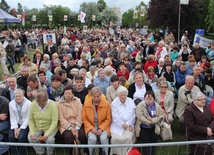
{"points": [[132, 89], [4, 107]]}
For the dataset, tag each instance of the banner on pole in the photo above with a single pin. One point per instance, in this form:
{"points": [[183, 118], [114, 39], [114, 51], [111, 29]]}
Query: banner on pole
{"points": [[142, 10], [93, 17], [202, 41], [78, 17], [34, 18], [82, 17], [50, 18], [135, 14], [47, 36], [184, 2]]}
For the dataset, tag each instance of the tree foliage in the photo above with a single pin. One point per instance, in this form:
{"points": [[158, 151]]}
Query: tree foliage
{"points": [[164, 13], [210, 16], [90, 9], [101, 5], [19, 8], [4, 6], [107, 16]]}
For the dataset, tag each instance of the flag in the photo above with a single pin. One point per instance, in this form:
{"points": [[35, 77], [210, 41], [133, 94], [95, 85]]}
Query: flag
{"points": [[78, 17], [93, 17], [135, 14], [142, 10], [65, 18], [23, 17], [82, 17], [34, 18], [50, 18], [184, 2]]}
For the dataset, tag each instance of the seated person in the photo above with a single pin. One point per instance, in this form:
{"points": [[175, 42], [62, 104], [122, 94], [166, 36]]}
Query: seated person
{"points": [[200, 124], [123, 120], [97, 129], [43, 122]]}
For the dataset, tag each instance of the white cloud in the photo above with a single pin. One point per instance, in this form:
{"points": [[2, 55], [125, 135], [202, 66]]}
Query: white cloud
{"points": [[74, 4]]}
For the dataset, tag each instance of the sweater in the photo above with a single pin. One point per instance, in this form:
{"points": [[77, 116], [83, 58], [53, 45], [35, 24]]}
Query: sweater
{"points": [[46, 121]]}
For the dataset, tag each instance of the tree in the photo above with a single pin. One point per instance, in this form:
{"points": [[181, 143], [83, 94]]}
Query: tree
{"points": [[128, 18], [101, 5], [90, 9], [107, 16], [4, 6], [164, 13], [19, 8], [210, 16]]}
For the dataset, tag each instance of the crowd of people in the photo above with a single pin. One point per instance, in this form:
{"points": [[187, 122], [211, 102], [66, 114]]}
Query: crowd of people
{"points": [[100, 87]]}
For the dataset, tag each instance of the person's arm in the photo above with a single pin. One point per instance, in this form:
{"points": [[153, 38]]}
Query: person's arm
{"points": [[142, 114], [115, 114], [31, 121], [79, 119]]}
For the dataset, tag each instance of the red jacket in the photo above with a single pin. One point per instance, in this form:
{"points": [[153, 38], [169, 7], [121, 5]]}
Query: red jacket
{"points": [[149, 63], [126, 75]]}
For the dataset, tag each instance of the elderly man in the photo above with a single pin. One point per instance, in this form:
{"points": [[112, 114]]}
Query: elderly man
{"points": [[200, 123], [197, 51], [96, 117], [8, 92], [102, 81], [185, 97]]}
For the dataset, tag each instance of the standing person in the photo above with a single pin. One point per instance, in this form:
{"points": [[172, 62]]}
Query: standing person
{"points": [[96, 117], [10, 55], [123, 119], [17, 45], [70, 122], [50, 48], [200, 124], [43, 122], [149, 114], [24, 42], [19, 110], [3, 59]]}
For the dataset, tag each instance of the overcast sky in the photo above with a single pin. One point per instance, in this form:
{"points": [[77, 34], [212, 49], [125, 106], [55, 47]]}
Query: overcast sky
{"points": [[74, 4]]}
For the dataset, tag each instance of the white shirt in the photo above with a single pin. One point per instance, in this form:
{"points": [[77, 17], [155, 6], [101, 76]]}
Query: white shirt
{"points": [[139, 92], [122, 113]]}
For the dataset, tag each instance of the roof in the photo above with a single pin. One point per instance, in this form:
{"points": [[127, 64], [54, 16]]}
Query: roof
{"points": [[7, 18]]}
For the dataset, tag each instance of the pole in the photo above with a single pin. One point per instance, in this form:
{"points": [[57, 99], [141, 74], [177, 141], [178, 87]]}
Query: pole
{"points": [[179, 20]]}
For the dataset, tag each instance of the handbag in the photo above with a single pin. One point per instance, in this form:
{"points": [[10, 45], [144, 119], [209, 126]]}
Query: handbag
{"points": [[134, 151], [76, 150], [165, 130]]}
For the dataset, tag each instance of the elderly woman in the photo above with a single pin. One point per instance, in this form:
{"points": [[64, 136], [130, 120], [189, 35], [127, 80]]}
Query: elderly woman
{"points": [[46, 61], [27, 62], [148, 113], [92, 73], [138, 88], [165, 99], [70, 122], [19, 110], [43, 122], [161, 51], [123, 119], [55, 91], [200, 123], [102, 81], [96, 117]]}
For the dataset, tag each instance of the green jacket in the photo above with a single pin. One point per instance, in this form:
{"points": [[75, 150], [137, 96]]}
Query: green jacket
{"points": [[46, 120]]}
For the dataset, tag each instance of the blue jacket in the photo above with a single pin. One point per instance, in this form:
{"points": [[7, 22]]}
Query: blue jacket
{"points": [[102, 84], [180, 78]]}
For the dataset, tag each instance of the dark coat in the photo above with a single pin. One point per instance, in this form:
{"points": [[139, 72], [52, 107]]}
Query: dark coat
{"points": [[150, 51], [6, 92], [4, 107], [132, 89], [197, 122]]}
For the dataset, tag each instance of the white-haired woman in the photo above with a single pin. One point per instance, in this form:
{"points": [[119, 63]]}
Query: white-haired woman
{"points": [[123, 120], [46, 61], [19, 110]]}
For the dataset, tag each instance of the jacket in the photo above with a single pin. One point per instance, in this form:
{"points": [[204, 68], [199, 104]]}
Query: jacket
{"points": [[14, 117], [168, 100], [69, 113], [103, 112], [141, 112]]}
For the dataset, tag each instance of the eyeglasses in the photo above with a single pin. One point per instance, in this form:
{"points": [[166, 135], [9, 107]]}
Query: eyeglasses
{"points": [[201, 99], [163, 87]]}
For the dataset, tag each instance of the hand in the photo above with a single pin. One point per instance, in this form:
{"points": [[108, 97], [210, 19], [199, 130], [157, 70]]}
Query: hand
{"points": [[130, 128], [3, 117], [149, 118], [125, 126], [43, 138], [74, 132], [17, 132], [34, 93], [94, 131], [33, 137], [209, 132], [99, 132]]}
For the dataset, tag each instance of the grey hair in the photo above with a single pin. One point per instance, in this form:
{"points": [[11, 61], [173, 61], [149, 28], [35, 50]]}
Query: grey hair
{"points": [[82, 70], [188, 77], [96, 90], [47, 56], [57, 60], [163, 82], [194, 68], [43, 67], [19, 91], [25, 68], [100, 70], [122, 89], [92, 67]]}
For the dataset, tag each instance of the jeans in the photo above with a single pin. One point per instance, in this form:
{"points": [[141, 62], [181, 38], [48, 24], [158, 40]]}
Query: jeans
{"points": [[3, 148], [22, 138], [11, 62], [4, 125]]}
